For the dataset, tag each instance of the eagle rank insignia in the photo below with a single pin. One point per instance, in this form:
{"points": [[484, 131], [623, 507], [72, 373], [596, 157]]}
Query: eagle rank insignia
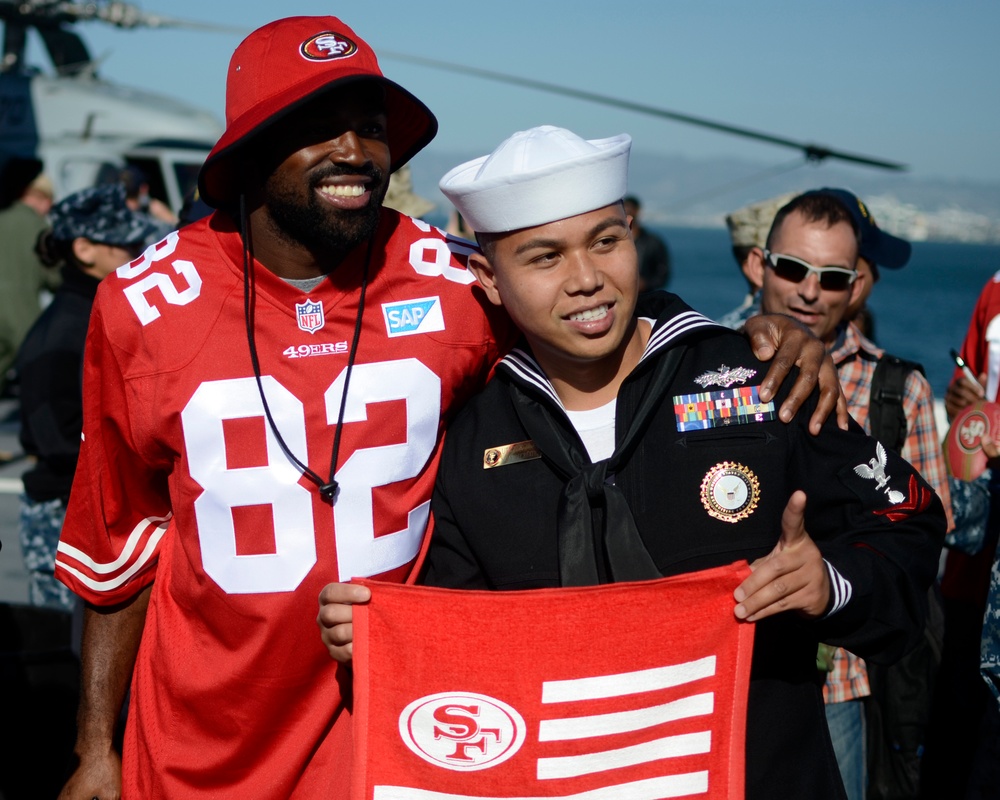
{"points": [[730, 491], [874, 470]]}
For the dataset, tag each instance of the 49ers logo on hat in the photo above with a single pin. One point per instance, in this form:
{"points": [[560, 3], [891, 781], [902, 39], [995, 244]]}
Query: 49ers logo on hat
{"points": [[462, 731], [328, 45]]}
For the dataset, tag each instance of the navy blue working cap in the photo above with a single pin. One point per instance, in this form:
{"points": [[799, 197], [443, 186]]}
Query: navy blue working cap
{"points": [[877, 246], [100, 215]]}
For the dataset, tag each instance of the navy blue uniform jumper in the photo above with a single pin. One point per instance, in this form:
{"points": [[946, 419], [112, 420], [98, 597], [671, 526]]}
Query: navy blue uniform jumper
{"points": [[552, 518]]}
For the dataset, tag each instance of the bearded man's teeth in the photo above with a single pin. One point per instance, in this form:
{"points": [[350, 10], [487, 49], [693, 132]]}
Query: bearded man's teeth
{"points": [[353, 190], [591, 314]]}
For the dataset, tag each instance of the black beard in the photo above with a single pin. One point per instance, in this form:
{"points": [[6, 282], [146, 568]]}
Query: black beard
{"points": [[315, 225]]}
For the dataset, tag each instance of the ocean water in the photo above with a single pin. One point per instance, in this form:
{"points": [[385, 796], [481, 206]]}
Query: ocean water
{"points": [[921, 311]]}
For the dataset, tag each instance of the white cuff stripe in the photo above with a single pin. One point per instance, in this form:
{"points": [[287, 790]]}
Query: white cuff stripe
{"points": [[840, 587]]}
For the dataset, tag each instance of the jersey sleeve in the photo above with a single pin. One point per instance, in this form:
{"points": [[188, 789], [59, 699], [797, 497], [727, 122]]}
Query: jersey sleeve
{"points": [[119, 509], [975, 349]]}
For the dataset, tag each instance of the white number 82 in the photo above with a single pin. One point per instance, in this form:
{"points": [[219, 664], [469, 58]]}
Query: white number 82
{"points": [[359, 551]]}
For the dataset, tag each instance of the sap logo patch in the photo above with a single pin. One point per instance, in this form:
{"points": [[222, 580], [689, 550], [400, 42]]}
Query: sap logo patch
{"points": [[406, 318]]}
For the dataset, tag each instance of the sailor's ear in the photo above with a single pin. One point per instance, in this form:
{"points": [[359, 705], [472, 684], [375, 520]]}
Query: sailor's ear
{"points": [[480, 266]]}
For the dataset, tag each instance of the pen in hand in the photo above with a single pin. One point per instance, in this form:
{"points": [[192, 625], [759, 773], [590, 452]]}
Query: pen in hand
{"points": [[968, 372]]}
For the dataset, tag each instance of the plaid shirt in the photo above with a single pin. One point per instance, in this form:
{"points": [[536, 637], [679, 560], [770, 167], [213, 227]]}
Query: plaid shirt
{"points": [[856, 358]]}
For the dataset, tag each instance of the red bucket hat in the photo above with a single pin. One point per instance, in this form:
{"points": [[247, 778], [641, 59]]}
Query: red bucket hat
{"points": [[288, 62]]}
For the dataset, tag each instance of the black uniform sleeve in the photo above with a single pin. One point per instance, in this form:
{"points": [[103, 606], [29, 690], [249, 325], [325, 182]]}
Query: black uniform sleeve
{"points": [[880, 525], [450, 562]]}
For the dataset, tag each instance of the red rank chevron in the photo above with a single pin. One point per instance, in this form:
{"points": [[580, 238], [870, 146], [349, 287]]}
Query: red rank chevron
{"points": [[918, 500], [626, 692]]}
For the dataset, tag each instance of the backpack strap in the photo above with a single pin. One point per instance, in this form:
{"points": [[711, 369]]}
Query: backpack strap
{"points": [[885, 407]]}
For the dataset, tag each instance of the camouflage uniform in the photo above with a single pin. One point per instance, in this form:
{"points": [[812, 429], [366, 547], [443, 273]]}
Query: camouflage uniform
{"points": [[39, 530], [50, 369]]}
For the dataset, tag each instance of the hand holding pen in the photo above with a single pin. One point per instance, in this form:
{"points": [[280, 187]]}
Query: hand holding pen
{"points": [[963, 392]]}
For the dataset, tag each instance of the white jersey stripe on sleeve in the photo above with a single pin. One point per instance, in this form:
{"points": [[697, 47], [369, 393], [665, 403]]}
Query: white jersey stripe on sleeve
{"points": [[88, 571]]}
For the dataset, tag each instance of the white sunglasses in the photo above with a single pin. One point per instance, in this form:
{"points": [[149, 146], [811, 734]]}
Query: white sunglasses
{"points": [[790, 268]]}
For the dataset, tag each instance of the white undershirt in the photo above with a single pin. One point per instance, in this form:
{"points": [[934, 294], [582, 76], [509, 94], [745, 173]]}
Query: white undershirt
{"points": [[596, 428]]}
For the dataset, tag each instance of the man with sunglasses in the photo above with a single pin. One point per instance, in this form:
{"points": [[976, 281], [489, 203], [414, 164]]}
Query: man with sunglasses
{"points": [[822, 254]]}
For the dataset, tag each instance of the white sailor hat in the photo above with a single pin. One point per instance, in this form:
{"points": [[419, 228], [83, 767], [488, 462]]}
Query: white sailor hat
{"points": [[538, 176]]}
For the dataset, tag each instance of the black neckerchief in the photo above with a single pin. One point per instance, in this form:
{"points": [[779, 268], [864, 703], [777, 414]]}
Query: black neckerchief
{"points": [[591, 486]]}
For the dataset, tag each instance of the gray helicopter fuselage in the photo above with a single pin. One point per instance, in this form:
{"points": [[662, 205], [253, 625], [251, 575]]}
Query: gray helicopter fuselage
{"points": [[80, 124]]}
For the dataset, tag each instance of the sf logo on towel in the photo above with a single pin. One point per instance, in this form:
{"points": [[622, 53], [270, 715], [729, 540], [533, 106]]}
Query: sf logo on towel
{"points": [[462, 731]]}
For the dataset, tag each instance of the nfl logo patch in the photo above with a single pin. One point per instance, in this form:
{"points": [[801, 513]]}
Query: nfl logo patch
{"points": [[310, 316]]}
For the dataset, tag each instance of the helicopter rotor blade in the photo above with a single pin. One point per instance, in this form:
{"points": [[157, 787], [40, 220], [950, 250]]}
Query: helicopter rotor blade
{"points": [[812, 152], [127, 15]]}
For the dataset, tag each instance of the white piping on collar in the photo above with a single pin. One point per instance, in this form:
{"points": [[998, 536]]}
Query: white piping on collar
{"points": [[523, 364]]}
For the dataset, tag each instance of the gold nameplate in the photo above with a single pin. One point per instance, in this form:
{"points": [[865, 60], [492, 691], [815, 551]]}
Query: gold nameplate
{"points": [[510, 454]]}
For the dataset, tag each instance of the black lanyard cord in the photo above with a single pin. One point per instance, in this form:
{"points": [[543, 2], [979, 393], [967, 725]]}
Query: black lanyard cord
{"points": [[327, 489]]}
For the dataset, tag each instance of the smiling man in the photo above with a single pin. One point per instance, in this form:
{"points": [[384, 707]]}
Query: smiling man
{"points": [[817, 244], [224, 478], [624, 440], [808, 269]]}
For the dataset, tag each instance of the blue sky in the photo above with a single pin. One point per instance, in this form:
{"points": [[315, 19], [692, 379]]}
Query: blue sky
{"points": [[912, 81]]}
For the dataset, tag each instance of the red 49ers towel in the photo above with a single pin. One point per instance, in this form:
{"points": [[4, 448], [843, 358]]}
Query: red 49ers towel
{"points": [[632, 691]]}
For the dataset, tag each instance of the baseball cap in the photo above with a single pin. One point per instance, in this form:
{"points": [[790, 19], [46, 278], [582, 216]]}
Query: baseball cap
{"points": [[288, 62], [100, 215], [538, 176], [400, 195], [749, 226], [877, 246]]}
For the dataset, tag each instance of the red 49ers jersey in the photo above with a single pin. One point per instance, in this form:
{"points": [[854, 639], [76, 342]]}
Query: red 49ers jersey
{"points": [[182, 483], [981, 349]]}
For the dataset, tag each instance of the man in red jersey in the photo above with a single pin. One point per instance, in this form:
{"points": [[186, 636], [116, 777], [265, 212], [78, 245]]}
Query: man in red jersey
{"points": [[265, 397]]}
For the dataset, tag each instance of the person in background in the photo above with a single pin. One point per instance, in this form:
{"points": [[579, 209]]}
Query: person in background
{"points": [[139, 198], [92, 233], [963, 756], [402, 198], [858, 311], [457, 226], [193, 208], [27, 195], [654, 255], [807, 270], [748, 228]]}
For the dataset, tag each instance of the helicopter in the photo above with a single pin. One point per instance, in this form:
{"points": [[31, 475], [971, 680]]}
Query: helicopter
{"points": [[84, 128]]}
